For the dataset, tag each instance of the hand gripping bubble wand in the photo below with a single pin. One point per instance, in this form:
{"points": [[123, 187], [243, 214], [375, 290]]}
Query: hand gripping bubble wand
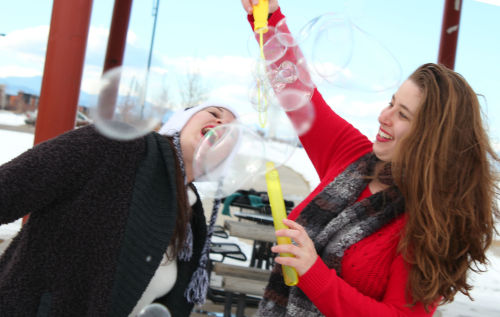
{"points": [[290, 276], [279, 213]]}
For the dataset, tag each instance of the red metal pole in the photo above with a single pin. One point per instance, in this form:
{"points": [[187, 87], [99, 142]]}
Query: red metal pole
{"points": [[116, 46], [62, 74], [117, 34], [449, 33]]}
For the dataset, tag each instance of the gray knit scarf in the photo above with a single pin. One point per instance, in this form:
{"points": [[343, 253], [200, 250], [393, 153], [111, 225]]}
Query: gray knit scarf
{"points": [[335, 221]]}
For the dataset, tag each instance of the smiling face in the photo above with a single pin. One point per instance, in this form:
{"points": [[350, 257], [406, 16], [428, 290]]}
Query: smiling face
{"points": [[395, 120], [196, 128]]}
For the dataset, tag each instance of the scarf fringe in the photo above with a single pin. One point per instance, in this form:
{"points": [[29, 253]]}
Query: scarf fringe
{"points": [[196, 292]]}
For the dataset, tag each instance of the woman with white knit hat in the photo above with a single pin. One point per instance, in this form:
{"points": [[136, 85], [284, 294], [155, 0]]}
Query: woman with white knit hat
{"points": [[114, 225]]}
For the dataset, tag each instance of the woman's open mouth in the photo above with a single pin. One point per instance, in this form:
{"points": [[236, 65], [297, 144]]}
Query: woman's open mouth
{"points": [[210, 134], [383, 136]]}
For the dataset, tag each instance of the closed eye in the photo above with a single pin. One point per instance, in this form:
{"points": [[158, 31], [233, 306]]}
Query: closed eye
{"points": [[214, 112]]}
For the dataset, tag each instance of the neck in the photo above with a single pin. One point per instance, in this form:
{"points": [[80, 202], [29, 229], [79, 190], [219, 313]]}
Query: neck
{"points": [[189, 172]]}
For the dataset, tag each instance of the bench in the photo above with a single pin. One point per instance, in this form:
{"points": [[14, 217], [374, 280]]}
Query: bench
{"points": [[243, 282]]}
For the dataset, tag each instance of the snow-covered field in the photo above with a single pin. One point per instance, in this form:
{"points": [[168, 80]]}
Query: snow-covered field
{"points": [[486, 290]]}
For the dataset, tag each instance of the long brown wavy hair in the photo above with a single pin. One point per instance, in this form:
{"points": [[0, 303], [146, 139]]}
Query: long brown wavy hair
{"points": [[183, 209], [445, 169]]}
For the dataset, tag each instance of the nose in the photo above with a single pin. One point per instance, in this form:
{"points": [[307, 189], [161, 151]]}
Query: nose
{"points": [[385, 117]]}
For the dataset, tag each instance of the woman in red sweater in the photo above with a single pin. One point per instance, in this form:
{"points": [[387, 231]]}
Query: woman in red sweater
{"points": [[394, 226]]}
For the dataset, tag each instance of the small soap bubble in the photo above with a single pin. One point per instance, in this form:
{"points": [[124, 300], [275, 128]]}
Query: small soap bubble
{"points": [[154, 310], [130, 103], [273, 48]]}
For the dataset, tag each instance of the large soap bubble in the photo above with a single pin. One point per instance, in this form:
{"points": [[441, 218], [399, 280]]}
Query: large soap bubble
{"points": [[337, 50], [374, 72], [130, 103], [227, 158], [154, 310], [327, 43]]}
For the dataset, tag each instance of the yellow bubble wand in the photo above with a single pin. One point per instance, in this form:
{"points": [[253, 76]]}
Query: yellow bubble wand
{"points": [[278, 210], [279, 213], [260, 13]]}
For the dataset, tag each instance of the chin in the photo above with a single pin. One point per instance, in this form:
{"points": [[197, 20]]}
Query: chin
{"points": [[381, 153], [381, 156]]}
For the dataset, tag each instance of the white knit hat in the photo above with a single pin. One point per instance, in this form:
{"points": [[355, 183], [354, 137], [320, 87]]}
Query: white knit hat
{"points": [[179, 119]]}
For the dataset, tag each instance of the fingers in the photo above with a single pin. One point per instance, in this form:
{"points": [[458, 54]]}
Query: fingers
{"points": [[302, 260], [286, 248], [292, 224], [296, 232], [273, 5], [248, 5], [304, 252]]}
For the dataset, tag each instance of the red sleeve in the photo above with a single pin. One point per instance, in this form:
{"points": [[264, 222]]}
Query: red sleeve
{"points": [[334, 297], [331, 143]]}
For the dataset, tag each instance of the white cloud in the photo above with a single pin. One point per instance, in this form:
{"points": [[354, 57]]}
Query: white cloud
{"points": [[236, 67], [19, 71], [22, 51], [98, 40], [492, 2], [91, 79], [26, 39], [29, 44]]}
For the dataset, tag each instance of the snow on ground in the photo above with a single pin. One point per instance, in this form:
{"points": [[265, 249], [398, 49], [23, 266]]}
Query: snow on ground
{"points": [[11, 118], [13, 143], [486, 290]]}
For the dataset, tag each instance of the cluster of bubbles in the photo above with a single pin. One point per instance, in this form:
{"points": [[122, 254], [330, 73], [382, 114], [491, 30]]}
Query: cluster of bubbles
{"points": [[338, 53], [232, 155]]}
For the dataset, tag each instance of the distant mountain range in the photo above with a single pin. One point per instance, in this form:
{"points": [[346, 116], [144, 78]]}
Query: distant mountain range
{"points": [[32, 85]]}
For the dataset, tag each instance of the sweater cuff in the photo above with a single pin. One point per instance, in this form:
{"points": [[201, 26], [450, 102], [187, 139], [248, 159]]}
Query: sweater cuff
{"points": [[272, 20], [313, 281], [275, 18]]}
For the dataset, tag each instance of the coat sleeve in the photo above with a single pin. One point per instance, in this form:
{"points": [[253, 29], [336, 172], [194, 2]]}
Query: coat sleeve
{"points": [[51, 169], [335, 297]]}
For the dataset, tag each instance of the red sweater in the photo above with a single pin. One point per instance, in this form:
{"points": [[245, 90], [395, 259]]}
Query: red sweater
{"points": [[374, 275]]}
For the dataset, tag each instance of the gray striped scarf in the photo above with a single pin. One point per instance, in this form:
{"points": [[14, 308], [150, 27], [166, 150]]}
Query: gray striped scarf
{"points": [[334, 221]]}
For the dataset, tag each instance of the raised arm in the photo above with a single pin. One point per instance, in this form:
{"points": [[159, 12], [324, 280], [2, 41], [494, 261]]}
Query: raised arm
{"points": [[331, 143]]}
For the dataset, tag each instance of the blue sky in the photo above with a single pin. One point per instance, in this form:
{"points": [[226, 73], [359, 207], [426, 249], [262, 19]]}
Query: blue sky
{"points": [[214, 39]]}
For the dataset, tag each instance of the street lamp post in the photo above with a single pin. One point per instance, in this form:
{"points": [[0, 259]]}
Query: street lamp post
{"points": [[148, 67]]}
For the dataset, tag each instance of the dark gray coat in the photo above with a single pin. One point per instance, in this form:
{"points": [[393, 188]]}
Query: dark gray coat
{"points": [[102, 213]]}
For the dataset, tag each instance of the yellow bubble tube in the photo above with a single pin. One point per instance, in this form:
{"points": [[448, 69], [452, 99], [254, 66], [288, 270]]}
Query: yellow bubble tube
{"points": [[279, 213]]}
